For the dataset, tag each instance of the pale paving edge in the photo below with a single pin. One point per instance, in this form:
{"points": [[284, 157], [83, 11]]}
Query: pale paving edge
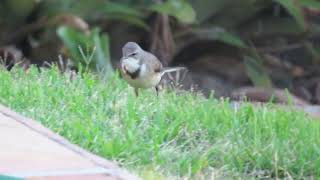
{"points": [[111, 169]]}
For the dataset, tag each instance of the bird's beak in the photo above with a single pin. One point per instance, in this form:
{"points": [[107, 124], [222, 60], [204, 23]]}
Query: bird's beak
{"points": [[129, 59]]}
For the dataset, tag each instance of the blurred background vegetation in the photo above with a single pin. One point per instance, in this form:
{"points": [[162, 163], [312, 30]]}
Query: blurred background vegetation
{"points": [[249, 47]]}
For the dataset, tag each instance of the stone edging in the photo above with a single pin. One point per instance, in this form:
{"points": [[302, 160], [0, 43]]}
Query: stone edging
{"points": [[112, 169]]}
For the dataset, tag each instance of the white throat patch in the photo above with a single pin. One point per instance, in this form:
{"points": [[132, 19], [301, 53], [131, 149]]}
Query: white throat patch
{"points": [[130, 64]]}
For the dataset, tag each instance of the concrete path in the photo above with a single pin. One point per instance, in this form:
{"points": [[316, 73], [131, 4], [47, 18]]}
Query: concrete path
{"points": [[28, 150]]}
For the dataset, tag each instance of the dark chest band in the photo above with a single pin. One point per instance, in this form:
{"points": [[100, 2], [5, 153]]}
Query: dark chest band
{"points": [[134, 74]]}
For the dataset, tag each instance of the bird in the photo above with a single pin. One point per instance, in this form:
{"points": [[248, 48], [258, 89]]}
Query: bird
{"points": [[141, 69]]}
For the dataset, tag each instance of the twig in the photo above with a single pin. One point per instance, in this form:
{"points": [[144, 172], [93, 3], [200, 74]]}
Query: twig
{"points": [[279, 49]]}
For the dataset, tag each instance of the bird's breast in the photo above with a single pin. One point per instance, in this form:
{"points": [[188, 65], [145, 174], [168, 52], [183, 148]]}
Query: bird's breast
{"points": [[134, 74], [144, 79]]}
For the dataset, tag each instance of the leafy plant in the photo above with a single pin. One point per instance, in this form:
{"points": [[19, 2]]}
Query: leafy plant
{"points": [[89, 50], [256, 72], [221, 35], [237, 22], [231, 22], [295, 9], [180, 9], [134, 15]]}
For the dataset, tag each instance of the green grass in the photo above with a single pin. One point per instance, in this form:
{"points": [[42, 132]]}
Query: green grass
{"points": [[172, 136]]}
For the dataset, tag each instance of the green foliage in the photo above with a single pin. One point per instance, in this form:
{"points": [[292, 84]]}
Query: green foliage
{"points": [[314, 4], [256, 72], [238, 22], [180, 9], [172, 136], [294, 8], [218, 34], [90, 50], [96, 10], [118, 11], [255, 69], [132, 13], [245, 17]]}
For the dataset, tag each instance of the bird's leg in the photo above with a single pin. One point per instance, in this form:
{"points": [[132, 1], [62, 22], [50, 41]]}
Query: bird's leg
{"points": [[136, 91], [157, 89]]}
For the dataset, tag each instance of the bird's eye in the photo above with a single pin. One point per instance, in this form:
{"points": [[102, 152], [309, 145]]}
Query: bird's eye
{"points": [[133, 54]]}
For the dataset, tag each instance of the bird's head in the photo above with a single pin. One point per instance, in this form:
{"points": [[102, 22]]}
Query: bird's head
{"points": [[131, 54], [131, 50]]}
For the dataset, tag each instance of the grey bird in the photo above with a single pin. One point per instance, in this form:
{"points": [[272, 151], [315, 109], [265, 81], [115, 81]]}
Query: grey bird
{"points": [[142, 69]]}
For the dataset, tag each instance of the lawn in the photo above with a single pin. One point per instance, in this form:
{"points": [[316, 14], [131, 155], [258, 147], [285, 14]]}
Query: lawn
{"points": [[171, 136]]}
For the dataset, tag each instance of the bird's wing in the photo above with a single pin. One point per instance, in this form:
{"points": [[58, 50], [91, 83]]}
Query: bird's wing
{"points": [[151, 61], [121, 61]]}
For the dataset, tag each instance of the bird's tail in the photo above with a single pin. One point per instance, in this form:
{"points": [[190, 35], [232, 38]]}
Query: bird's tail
{"points": [[171, 69]]}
